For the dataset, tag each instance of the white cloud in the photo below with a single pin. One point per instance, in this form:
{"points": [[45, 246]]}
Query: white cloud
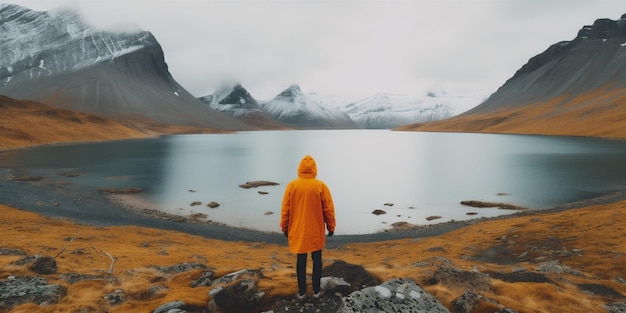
{"points": [[346, 48]]}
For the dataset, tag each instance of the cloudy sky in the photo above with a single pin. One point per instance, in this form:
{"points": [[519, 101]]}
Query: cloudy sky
{"points": [[348, 49]]}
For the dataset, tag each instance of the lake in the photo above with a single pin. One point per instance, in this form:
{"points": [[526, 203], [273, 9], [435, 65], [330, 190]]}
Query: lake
{"points": [[409, 175]]}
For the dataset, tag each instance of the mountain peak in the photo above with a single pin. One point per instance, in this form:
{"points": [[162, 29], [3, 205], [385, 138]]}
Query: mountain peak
{"points": [[291, 92], [56, 58], [604, 28]]}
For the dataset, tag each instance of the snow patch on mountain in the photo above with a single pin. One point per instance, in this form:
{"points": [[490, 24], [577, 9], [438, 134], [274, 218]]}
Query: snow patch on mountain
{"points": [[234, 100], [385, 110], [39, 44], [295, 108]]}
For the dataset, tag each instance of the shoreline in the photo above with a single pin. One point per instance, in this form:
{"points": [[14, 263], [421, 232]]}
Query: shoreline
{"points": [[59, 200]]}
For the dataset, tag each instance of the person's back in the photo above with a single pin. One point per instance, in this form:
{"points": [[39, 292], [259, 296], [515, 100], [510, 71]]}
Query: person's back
{"points": [[307, 211]]}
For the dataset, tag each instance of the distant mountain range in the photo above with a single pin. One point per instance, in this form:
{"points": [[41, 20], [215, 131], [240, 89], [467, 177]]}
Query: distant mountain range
{"points": [[297, 109], [575, 87], [57, 59]]}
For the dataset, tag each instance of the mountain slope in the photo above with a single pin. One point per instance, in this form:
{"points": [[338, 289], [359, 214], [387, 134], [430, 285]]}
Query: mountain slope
{"points": [[237, 102], [294, 108], [26, 123], [55, 58], [384, 111], [573, 88]]}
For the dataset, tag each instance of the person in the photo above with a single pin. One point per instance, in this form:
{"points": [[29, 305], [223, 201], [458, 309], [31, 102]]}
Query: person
{"points": [[307, 209]]}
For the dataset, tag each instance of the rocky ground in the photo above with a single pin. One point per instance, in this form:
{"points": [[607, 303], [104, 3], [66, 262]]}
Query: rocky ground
{"points": [[565, 261]]}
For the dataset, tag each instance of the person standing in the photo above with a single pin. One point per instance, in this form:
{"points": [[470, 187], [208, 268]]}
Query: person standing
{"points": [[307, 212]]}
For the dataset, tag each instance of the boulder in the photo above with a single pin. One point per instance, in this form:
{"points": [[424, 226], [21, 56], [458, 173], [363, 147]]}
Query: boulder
{"points": [[205, 279], [616, 307], [335, 285], [240, 296], [116, 297], [397, 295], [9, 251], [236, 292], [181, 268], [44, 265], [241, 274], [472, 302], [171, 307], [15, 291], [459, 279], [355, 275]]}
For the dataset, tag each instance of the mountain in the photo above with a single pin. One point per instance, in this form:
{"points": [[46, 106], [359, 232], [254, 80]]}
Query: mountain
{"points": [[57, 59], [384, 111], [294, 108], [25, 123], [237, 102], [575, 87]]}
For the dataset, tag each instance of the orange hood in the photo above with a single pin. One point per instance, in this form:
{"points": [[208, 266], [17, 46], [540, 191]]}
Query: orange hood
{"points": [[307, 168]]}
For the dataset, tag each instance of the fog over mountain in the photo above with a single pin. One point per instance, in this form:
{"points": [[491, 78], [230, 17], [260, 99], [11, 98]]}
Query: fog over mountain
{"points": [[55, 58], [594, 59], [388, 111], [574, 87], [294, 108]]}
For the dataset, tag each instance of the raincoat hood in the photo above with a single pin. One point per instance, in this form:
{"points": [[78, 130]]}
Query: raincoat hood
{"points": [[307, 168]]}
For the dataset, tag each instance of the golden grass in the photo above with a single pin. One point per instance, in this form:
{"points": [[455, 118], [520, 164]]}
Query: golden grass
{"points": [[26, 123], [598, 231], [599, 113]]}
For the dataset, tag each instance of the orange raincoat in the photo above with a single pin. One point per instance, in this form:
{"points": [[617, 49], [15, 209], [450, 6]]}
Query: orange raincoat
{"points": [[307, 209]]}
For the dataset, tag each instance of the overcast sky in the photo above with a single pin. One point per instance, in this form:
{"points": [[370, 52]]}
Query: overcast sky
{"points": [[348, 49]]}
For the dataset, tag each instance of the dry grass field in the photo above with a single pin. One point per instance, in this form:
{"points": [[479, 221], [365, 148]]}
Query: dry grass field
{"points": [[594, 234]]}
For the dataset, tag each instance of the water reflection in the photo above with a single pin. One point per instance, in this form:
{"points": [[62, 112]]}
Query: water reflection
{"points": [[421, 174]]}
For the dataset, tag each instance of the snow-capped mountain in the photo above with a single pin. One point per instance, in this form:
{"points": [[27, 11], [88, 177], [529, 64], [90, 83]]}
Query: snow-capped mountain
{"points": [[294, 108], [385, 110], [235, 101], [51, 45], [56, 58]]}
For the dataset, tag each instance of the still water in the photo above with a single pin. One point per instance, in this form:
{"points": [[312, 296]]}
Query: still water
{"points": [[410, 175]]}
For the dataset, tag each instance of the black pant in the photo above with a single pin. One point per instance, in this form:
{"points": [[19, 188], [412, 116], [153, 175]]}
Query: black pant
{"points": [[317, 271]]}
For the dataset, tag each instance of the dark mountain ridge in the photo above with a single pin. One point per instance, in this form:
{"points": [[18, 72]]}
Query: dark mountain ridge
{"points": [[595, 59], [237, 102], [575, 87]]}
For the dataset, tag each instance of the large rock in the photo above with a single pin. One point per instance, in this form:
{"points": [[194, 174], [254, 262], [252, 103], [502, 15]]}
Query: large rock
{"points": [[28, 289], [236, 292], [459, 279], [44, 265], [181, 268], [335, 285], [240, 296], [356, 275], [472, 302], [397, 295]]}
